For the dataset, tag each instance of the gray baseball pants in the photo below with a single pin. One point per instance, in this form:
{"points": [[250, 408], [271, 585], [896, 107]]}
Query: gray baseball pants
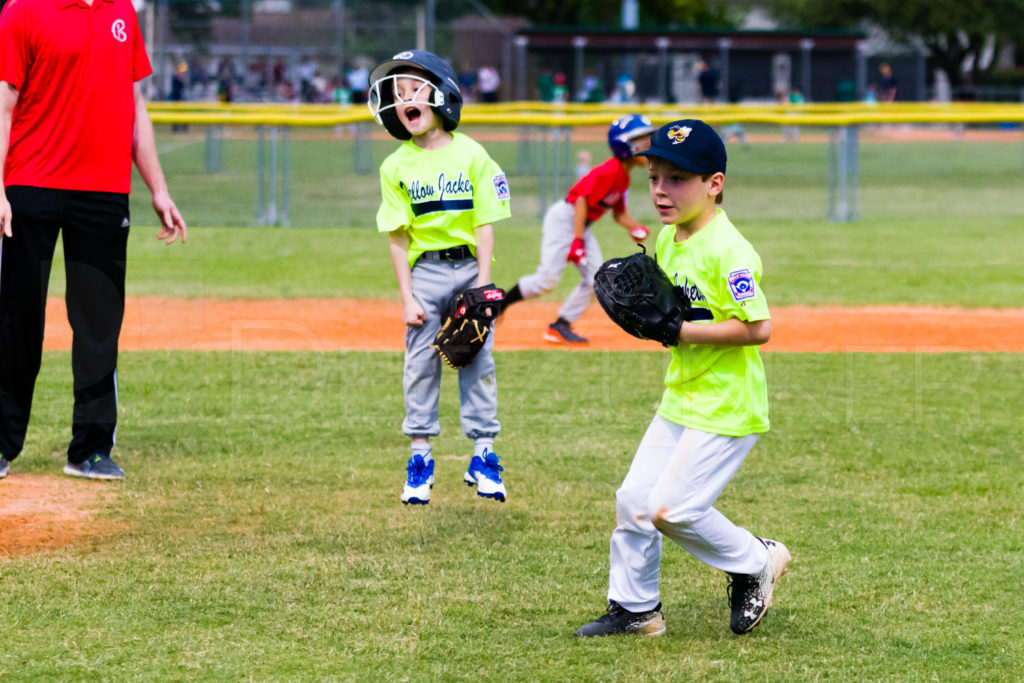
{"points": [[558, 236], [435, 284]]}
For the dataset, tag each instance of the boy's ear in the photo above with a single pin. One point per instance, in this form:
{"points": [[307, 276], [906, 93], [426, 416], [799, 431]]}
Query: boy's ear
{"points": [[716, 183]]}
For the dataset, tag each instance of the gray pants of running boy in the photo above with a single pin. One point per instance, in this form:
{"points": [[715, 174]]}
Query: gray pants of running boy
{"points": [[558, 235], [435, 284]]}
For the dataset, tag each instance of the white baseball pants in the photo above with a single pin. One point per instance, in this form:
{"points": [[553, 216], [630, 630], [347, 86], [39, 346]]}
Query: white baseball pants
{"points": [[675, 478]]}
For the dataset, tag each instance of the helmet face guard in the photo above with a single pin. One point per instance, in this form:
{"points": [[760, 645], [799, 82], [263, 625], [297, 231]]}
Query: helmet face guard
{"points": [[443, 94], [384, 94]]}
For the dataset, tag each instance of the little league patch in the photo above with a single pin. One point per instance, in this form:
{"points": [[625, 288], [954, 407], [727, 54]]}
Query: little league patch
{"points": [[501, 186], [741, 284]]}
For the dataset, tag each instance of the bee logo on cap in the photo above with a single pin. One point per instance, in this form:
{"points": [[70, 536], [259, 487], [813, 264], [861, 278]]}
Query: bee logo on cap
{"points": [[678, 133]]}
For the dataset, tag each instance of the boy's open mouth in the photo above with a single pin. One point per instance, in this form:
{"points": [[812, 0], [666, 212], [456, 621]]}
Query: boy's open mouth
{"points": [[413, 114]]}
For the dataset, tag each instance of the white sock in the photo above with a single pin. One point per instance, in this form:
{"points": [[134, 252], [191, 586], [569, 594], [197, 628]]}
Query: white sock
{"points": [[422, 449], [482, 445]]}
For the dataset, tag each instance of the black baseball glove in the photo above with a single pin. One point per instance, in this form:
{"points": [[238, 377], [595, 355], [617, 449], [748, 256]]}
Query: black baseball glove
{"points": [[467, 324], [639, 297]]}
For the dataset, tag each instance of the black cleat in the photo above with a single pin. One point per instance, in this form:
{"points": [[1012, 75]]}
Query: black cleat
{"points": [[620, 621], [750, 595]]}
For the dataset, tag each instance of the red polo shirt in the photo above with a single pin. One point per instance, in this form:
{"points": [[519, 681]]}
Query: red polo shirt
{"points": [[74, 67], [605, 187]]}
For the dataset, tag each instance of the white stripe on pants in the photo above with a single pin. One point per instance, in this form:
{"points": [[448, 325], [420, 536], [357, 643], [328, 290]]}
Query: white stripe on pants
{"points": [[675, 478], [558, 236]]}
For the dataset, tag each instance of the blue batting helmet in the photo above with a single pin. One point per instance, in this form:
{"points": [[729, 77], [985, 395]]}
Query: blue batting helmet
{"points": [[446, 100], [626, 129]]}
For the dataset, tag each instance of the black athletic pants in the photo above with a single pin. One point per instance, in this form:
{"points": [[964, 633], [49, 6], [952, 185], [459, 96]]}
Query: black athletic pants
{"points": [[94, 226]]}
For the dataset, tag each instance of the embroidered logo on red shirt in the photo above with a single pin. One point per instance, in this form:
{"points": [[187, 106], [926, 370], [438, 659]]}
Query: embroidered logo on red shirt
{"points": [[117, 29]]}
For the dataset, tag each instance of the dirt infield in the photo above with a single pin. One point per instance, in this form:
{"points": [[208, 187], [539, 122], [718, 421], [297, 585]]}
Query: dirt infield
{"points": [[350, 324], [46, 511]]}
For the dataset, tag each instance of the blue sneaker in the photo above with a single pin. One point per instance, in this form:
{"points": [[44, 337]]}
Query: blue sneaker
{"points": [[418, 481], [5, 467], [483, 473], [98, 466]]}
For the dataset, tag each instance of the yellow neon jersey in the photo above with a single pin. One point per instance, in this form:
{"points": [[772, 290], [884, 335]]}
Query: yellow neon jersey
{"points": [[716, 389], [441, 196]]}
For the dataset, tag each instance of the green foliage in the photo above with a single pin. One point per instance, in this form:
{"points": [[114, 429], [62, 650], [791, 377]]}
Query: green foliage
{"points": [[687, 13], [192, 19], [259, 533], [952, 30], [603, 13], [815, 14], [1007, 78]]}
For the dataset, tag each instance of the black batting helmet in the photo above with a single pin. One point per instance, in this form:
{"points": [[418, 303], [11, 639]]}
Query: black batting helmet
{"points": [[446, 100]]}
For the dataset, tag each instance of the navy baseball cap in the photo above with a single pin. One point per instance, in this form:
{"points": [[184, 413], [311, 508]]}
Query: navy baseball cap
{"points": [[690, 144]]}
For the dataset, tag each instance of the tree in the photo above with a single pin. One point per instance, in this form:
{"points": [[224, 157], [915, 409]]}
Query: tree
{"points": [[955, 32], [192, 20], [604, 13]]}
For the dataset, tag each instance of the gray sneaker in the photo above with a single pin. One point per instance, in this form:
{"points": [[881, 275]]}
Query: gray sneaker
{"points": [[98, 466], [5, 467]]}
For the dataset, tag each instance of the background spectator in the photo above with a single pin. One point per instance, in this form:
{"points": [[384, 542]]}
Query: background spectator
{"points": [[887, 85], [226, 80], [708, 79], [307, 74], [467, 82], [488, 82], [358, 83], [560, 92], [178, 86], [546, 86]]}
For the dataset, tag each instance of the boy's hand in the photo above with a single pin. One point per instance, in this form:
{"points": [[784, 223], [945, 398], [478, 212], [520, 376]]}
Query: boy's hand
{"points": [[639, 233], [413, 314], [577, 253]]}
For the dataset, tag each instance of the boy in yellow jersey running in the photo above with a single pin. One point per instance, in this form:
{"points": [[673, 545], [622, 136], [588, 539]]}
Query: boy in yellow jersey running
{"points": [[714, 407], [440, 194]]}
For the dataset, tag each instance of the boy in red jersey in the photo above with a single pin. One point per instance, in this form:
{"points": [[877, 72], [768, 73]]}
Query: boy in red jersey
{"points": [[567, 235]]}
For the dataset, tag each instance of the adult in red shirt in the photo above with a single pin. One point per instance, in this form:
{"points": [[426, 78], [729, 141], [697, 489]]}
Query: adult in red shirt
{"points": [[72, 120], [567, 235]]}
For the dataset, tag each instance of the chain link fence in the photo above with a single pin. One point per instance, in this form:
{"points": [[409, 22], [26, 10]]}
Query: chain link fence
{"points": [[310, 51]]}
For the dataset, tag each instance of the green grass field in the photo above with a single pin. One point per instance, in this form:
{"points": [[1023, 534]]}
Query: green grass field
{"points": [[265, 538], [259, 534]]}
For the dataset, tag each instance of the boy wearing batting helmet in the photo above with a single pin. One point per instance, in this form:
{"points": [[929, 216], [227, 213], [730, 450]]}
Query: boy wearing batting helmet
{"points": [[567, 235], [441, 192], [714, 407]]}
